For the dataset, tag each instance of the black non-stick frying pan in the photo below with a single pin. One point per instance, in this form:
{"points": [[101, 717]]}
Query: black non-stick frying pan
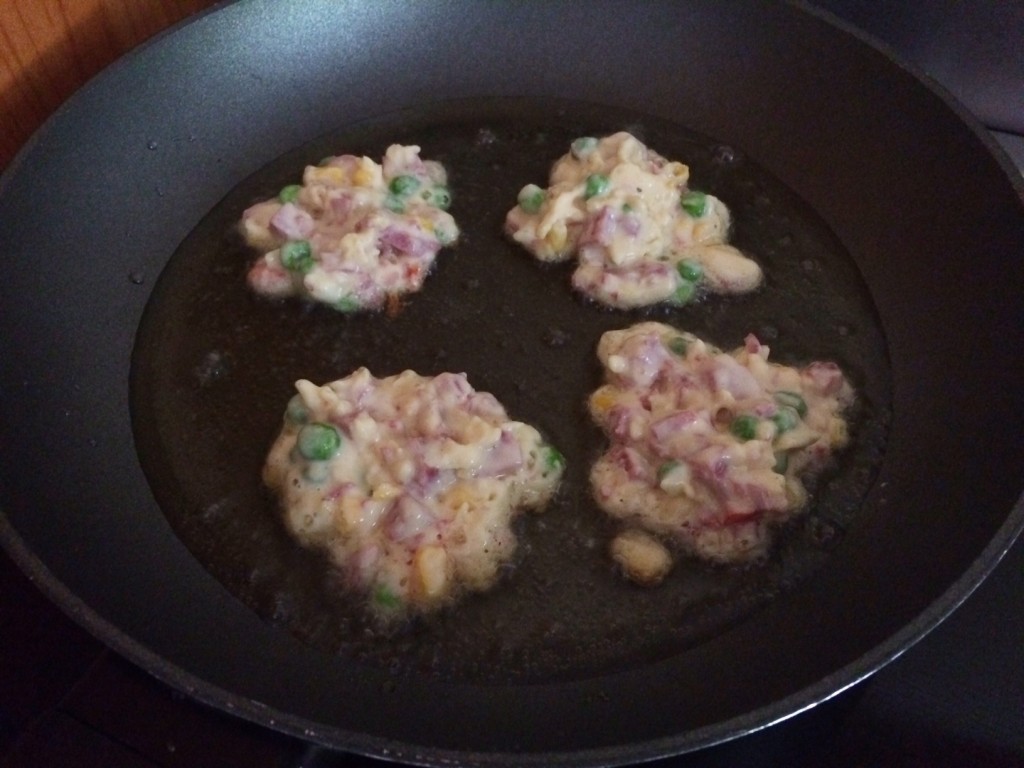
{"points": [[141, 384]]}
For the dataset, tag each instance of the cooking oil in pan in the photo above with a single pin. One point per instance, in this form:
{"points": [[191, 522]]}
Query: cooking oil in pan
{"points": [[214, 367]]}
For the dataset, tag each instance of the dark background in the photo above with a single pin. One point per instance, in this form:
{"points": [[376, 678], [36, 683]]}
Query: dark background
{"points": [[954, 699]]}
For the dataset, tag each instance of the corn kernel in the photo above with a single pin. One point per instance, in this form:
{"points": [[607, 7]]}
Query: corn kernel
{"points": [[458, 496], [678, 169], [329, 175], [837, 432], [386, 491], [367, 174], [602, 400], [350, 513], [557, 237], [431, 571]]}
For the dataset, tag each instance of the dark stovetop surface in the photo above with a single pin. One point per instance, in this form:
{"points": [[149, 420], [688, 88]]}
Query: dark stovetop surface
{"points": [[954, 699]]}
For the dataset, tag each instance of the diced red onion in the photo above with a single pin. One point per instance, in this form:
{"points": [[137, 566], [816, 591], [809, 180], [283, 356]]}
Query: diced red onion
{"points": [[364, 561], [453, 386], [503, 458], [645, 356], [407, 519], [729, 376], [664, 429], [630, 224]]}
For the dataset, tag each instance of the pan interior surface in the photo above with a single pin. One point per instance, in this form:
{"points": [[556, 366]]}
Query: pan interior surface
{"points": [[213, 367]]}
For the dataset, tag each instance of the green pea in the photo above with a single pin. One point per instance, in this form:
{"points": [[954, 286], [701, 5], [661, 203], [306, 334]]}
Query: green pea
{"points": [[690, 270], [385, 598], [394, 203], [583, 146], [793, 400], [665, 468], [694, 203], [685, 292], [403, 186], [297, 255], [290, 193], [744, 427], [786, 418], [678, 345], [597, 184], [347, 304], [781, 462], [297, 412], [318, 441], [553, 459], [439, 197], [531, 198]]}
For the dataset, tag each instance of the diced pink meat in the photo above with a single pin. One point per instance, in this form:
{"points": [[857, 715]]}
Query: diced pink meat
{"points": [[292, 222], [601, 228], [341, 206], [631, 461], [826, 378], [405, 242], [619, 419]]}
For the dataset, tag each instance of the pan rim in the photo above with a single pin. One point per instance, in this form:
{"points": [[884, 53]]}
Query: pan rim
{"points": [[369, 746], [173, 675]]}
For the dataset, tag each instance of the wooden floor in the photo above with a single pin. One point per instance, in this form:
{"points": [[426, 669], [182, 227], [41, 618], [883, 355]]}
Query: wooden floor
{"points": [[50, 48]]}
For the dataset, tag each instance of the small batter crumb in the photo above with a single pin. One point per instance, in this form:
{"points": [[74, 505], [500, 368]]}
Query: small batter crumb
{"points": [[707, 449], [409, 483], [641, 233], [641, 557], [354, 233]]}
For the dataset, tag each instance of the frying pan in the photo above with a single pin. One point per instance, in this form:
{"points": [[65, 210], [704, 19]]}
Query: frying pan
{"points": [[152, 155]]}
